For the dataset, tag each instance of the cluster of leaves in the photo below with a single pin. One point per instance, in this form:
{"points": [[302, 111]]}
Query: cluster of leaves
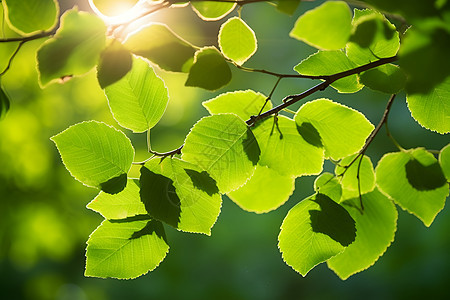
{"points": [[246, 149]]}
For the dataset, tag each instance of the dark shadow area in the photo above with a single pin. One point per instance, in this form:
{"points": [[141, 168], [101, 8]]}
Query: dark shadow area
{"points": [[276, 126], [333, 220], [151, 227], [424, 178], [203, 181], [310, 134], [251, 147], [170, 56], [131, 219], [114, 185], [365, 33], [159, 197], [388, 31]]}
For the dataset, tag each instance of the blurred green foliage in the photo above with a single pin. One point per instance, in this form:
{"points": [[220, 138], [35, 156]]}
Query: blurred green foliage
{"points": [[44, 224]]}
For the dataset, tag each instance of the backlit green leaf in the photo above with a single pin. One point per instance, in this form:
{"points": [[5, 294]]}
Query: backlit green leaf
{"points": [[325, 27], [180, 194], [75, 48], [125, 250], [31, 16], [210, 71], [96, 154], [313, 231], [373, 37], [288, 6], [113, 7], [387, 78], [349, 180], [237, 40], [341, 130], [122, 205], [328, 184], [159, 44], [414, 180], [265, 191], [223, 146], [242, 103], [432, 110], [115, 62], [286, 149], [329, 63], [4, 103], [138, 100], [444, 161], [375, 230], [212, 10]]}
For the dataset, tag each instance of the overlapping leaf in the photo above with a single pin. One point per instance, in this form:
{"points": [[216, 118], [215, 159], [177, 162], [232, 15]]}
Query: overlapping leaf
{"points": [[330, 63], [31, 16], [325, 27], [313, 231], [75, 48], [4, 103], [415, 181], [340, 130], [212, 10], [237, 40], [265, 191], [288, 6], [180, 194], [444, 161], [242, 103], [432, 110], [115, 62], [285, 150], [210, 71], [138, 100], [223, 146], [96, 154], [125, 250], [375, 230], [328, 184], [387, 78], [159, 44]]}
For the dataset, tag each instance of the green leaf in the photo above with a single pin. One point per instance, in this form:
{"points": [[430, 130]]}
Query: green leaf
{"points": [[4, 103], [138, 100], [122, 205], [288, 6], [31, 16], [237, 40], [113, 7], [242, 103], [265, 191], [432, 110], [75, 48], [285, 150], [125, 250], [313, 231], [325, 27], [387, 78], [330, 63], [223, 146], [373, 37], [341, 130], [349, 180], [414, 180], [212, 10], [180, 194], [115, 62], [375, 231], [444, 161], [159, 44], [96, 154], [327, 184], [210, 71]]}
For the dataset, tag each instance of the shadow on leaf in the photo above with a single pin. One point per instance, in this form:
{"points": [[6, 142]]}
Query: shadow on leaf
{"points": [[115, 185], [333, 220], [251, 147], [310, 134], [159, 197], [424, 178], [152, 226], [203, 181]]}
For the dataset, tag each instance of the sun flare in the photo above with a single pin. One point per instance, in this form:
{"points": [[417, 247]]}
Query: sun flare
{"points": [[117, 12]]}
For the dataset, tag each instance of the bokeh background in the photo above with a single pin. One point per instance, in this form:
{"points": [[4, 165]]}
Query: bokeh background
{"points": [[44, 223]]}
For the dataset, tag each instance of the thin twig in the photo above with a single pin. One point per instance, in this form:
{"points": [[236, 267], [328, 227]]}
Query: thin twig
{"points": [[12, 58]]}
